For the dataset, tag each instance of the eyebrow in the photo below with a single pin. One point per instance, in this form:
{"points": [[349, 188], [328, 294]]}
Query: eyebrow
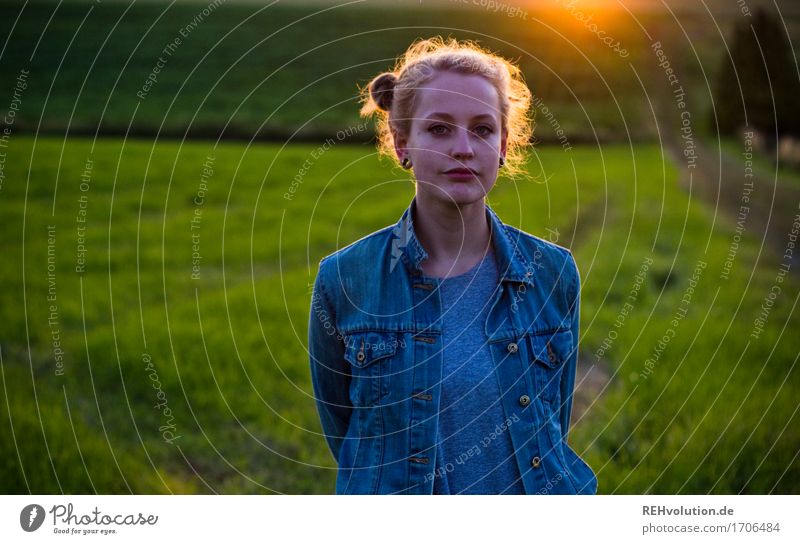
{"points": [[448, 116]]}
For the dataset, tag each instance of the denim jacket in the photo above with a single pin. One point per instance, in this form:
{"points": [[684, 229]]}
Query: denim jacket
{"points": [[376, 360]]}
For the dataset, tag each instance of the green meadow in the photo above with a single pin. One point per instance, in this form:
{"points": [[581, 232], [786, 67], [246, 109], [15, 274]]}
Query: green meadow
{"points": [[276, 71], [156, 283], [192, 377]]}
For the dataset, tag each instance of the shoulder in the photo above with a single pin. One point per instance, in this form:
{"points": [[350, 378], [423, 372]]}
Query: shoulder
{"points": [[553, 266], [357, 278], [538, 249], [357, 253]]}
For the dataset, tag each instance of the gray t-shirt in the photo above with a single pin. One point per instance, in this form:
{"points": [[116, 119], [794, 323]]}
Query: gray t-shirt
{"points": [[469, 460]]}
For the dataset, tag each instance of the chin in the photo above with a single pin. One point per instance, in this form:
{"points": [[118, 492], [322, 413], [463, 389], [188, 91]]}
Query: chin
{"points": [[459, 194], [464, 195]]}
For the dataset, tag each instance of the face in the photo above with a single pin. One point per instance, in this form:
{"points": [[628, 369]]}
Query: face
{"points": [[456, 125]]}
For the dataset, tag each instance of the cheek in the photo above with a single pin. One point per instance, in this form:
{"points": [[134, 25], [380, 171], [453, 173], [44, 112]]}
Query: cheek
{"points": [[427, 155], [492, 143]]}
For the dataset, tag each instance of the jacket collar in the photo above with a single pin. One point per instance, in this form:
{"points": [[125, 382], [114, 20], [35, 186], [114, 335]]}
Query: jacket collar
{"points": [[511, 263]]}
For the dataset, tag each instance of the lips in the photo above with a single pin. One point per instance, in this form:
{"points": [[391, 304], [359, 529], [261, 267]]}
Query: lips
{"points": [[461, 171]]}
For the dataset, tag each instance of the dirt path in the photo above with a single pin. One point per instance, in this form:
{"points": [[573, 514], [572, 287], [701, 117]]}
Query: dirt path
{"points": [[766, 207]]}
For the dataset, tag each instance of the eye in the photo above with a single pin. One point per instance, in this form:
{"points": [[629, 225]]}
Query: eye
{"points": [[483, 130], [435, 129]]}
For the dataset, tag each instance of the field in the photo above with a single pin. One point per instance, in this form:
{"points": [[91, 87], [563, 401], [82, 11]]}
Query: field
{"points": [[159, 243], [284, 71], [227, 349]]}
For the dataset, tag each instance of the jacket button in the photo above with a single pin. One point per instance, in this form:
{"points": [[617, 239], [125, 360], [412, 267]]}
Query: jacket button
{"points": [[535, 462], [524, 400], [512, 347], [360, 356]]}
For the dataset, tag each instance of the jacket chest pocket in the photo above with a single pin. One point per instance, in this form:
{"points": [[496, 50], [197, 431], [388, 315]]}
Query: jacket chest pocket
{"points": [[549, 353], [370, 354]]}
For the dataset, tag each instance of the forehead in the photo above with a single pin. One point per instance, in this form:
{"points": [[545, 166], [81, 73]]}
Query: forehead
{"points": [[459, 96]]}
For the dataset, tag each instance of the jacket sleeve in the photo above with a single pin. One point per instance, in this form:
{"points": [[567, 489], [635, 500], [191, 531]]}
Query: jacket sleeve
{"points": [[571, 365], [330, 373]]}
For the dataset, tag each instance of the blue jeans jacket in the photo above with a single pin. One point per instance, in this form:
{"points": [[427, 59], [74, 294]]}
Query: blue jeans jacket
{"points": [[376, 361]]}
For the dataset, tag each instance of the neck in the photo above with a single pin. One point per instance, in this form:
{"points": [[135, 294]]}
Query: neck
{"points": [[452, 234]]}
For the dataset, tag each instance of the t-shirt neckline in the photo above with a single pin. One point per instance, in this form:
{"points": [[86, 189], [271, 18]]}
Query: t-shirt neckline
{"points": [[472, 271]]}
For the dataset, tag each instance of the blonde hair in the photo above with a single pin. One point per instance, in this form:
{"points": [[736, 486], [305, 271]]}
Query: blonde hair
{"points": [[391, 95]]}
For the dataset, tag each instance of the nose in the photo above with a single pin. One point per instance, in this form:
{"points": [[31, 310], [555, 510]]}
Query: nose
{"points": [[462, 148]]}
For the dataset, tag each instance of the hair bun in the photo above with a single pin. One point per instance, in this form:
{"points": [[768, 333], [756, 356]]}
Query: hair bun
{"points": [[382, 90]]}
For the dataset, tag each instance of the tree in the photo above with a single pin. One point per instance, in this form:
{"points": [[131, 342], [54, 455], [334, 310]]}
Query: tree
{"points": [[763, 60]]}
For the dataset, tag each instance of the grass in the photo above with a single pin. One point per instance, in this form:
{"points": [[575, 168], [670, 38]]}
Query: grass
{"points": [[228, 350], [267, 71], [764, 162]]}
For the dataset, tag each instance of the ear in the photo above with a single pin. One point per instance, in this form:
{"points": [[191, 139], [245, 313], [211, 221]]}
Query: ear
{"points": [[503, 142], [400, 144]]}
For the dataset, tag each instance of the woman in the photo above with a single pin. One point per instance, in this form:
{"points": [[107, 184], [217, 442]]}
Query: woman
{"points": [[443, 348]]}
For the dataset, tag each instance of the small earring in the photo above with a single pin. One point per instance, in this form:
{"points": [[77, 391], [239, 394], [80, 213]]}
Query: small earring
{"points": [[502, 161], [407, 163]]}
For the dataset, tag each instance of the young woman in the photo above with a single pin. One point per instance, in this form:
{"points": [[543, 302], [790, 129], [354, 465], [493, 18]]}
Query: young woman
{"points": [[443, 348]]}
